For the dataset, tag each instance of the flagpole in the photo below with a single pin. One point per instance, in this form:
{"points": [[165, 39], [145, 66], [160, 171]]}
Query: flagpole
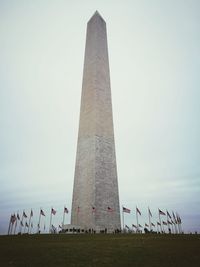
{"points": [[50, 221], [39, 221], [168, 222], [9, 225], [149, 220], [173, 231], [175, 227], [176, 230], [177, 219], [29, 222], [137, 220], [160, 223], [122, 218], [174, 222], [63, 216], [21, 221], [15, 226]]}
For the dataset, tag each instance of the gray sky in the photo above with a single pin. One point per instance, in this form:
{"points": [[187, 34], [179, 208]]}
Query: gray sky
{"points": [[154, 65]]}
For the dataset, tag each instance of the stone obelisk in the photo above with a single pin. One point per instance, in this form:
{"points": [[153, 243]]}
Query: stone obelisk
{"points": [[95, 203]]}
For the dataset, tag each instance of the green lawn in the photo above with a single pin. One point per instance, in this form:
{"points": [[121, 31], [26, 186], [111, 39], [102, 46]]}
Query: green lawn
{"points": [[100, 250]]}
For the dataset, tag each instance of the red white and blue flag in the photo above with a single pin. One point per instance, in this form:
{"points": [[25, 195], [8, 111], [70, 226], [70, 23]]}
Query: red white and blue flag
{"points": [[66, 210], [150, 212], [126, 210], [53, 211], [138, 211], [42, 212], [161, 212]]}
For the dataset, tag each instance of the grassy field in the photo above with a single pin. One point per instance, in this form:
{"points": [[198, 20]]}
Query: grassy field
{"points": [[100, 250]]}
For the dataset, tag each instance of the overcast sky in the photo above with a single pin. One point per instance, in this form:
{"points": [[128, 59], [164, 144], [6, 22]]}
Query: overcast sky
{"points": [[154, 65]]}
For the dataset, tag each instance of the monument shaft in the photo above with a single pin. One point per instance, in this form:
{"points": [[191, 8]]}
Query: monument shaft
{"points": [[95, 203]]}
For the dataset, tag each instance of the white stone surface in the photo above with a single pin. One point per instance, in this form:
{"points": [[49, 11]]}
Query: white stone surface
{"points": [[95, 181]]}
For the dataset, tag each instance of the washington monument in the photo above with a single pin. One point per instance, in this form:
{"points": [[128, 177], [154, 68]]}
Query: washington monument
{"points": [[95, 203]]}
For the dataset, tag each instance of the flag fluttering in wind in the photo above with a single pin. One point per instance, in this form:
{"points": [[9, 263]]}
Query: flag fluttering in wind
{"points": [[53, 211], [178, 219], [174, 217], [138, 211], [66, 210], [150, 212], [126, 210], [169, 215], [161, 212], [13, 218], [53, 228], [42, 212]]}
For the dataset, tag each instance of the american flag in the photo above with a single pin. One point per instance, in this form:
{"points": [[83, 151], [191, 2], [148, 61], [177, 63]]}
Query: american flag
{"points": [[66, 210], [53, 211], [169, 215], [150, 212], [126, 210], [138, 211], [161, 212], [42, 212], [13, 218], [174, 217]]}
